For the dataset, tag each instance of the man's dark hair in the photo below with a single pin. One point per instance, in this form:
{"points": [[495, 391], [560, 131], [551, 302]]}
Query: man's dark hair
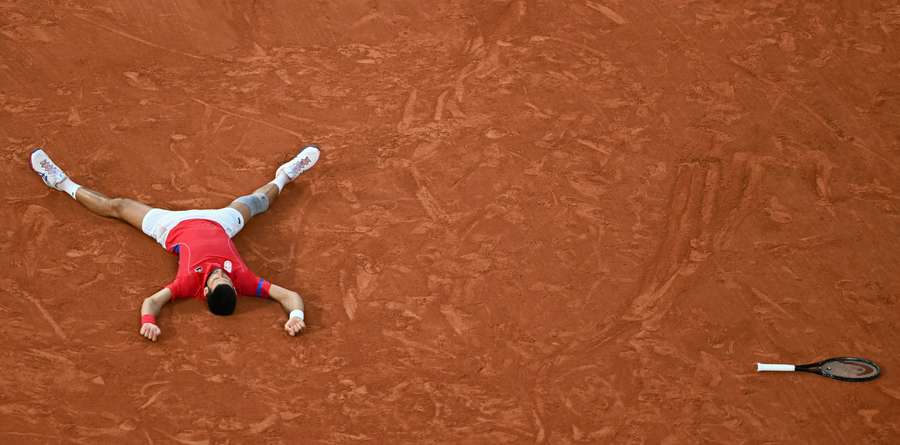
{"points": [[222, 300]]}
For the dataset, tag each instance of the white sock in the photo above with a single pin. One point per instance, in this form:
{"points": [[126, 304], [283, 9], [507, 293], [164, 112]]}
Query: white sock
{"points": [[280, 181], [69, 186]]}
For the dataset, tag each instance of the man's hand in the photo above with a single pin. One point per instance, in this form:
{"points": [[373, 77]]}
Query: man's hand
{"points": [[150, 309], [151, 331], [293, 305], [294, 325]]}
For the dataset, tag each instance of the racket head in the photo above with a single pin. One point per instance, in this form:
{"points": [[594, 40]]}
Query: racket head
{"points": [[847, 369]]}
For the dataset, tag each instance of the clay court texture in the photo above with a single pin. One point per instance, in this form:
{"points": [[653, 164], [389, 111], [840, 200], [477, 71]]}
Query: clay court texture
{"points": [[536, 221]]}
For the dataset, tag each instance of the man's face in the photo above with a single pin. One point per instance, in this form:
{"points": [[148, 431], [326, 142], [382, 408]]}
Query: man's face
{"points": [[215, 278]]}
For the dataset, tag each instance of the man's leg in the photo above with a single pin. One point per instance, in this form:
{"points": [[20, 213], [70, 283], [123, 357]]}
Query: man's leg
{"points": [[127, 210], [255, 203], [260, 200]]}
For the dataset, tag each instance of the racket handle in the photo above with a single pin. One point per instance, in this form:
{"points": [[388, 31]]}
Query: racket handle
{"points": [[760, 367]]}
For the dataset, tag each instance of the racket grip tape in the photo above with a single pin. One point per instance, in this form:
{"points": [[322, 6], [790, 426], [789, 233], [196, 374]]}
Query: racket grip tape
{"points": [[760, 367]]}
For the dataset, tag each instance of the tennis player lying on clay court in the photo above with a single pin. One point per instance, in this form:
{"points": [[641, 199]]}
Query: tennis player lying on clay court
{"points": [[209, 266]]}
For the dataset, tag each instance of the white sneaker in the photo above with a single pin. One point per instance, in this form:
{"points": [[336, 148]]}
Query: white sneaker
{"points": [[301, 163], [52, 175]]}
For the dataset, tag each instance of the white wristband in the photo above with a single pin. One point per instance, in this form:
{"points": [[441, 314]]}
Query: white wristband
{"points": [[296, 313]]}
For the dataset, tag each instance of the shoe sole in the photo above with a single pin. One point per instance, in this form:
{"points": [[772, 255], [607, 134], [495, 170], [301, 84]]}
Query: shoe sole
{"points": [[35, 166], [312, 152]]}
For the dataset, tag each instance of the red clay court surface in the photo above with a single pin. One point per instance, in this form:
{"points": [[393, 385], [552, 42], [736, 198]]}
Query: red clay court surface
{"points": [[545, 222]]}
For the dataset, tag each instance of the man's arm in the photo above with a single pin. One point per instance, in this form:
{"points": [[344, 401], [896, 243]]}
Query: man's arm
{"points": [[150, 310], [293, 305]]}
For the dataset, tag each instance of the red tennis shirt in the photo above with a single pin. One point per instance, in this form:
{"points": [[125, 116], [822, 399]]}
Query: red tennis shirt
{"points": [[202, 246]]}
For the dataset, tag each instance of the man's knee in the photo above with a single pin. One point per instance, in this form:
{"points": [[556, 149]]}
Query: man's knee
{"points": [[257, 203], [117, 206]]}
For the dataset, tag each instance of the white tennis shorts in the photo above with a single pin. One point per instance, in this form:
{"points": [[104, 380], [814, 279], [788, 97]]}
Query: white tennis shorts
{"points": [[157, 223]]}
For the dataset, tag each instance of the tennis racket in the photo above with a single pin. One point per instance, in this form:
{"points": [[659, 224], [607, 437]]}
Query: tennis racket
{"points": [[848, 369]]}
